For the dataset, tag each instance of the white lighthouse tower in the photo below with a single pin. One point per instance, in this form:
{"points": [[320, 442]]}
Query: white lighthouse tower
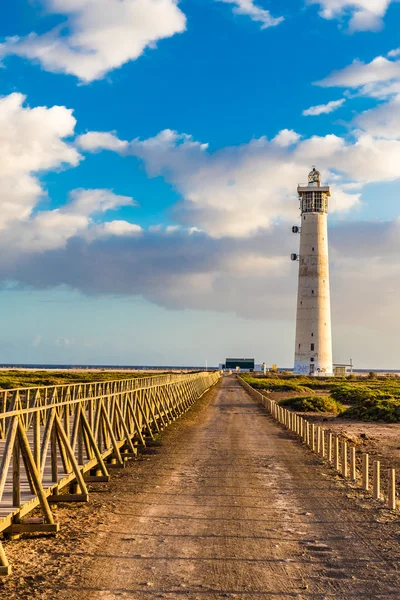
{"points": [[313, 351]]}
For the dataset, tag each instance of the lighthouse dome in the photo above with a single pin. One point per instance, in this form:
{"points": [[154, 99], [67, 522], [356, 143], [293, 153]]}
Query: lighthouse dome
{"points": [[314, 176]]}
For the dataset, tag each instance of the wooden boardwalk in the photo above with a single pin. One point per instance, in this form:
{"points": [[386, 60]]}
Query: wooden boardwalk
{"points": [[58, 438]]}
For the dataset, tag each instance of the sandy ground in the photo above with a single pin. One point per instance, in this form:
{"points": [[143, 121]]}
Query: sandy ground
{"points": [[230, 505]]}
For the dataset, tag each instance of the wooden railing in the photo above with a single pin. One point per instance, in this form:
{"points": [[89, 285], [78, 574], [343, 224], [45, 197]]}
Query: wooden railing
{"points": [[60, 437]]}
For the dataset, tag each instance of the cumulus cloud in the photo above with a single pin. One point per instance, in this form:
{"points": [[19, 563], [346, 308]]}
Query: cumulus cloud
{"points": [[118, 227], [51, 229], [31, 140], [34, 140], [383, 120], [95, 140], [243, 199], [323, 109], [380, 78], [286, 137], [237, 190], [252, 277], [256, 13], [97, 36], [364, 15]]}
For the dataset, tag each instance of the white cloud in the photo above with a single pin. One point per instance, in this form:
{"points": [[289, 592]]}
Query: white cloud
{"points": [[364, 15], [99, 139], [394, 53], [120, 227], [88, 202], [323, 109], [238, 190], [97, 35], [250, 9], [51, 229], [34, 140], [382, 121], [286, 137], [31, 140], [380, 78]]}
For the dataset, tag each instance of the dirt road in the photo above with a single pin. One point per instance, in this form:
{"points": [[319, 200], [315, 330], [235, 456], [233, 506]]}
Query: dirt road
{"points": [[231, 506]]}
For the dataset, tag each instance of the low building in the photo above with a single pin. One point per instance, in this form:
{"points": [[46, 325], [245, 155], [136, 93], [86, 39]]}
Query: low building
{"points": [[342, 370], [240, 364]]}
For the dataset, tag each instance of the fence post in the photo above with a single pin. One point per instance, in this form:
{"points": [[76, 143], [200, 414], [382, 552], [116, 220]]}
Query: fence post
{"points": [[365, 472], [318, 440], [330, 436], [376, 479], [353, 472], [323, 443], [336, 453], [344, 459], [392, 489], [313, 437]]}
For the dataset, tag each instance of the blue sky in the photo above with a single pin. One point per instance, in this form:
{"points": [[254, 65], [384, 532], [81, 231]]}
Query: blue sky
{"points": [[150, 153]]}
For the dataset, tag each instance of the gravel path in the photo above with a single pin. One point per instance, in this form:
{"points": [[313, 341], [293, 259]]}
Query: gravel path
{"points": [[238, 509]]}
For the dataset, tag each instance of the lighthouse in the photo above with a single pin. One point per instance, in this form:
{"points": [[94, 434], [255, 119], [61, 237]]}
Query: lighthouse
{"points": [[313, 350]]}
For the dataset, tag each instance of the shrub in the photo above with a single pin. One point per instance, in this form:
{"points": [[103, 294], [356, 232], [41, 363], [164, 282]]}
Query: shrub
{"points": [[355, 394], [275, 385], [375, 409], [323, 404]]}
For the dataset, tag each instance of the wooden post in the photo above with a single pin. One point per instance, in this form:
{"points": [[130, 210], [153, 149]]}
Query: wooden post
{"points": [[16, 480], [36, 438], [365, 472], [392, 489], [376, 480], [344, 460], [323, 443], [353, 472], [330, 440], [318, 440], [308, 433], [337, 462], [53, 450], [313, 437], [5, 568]]}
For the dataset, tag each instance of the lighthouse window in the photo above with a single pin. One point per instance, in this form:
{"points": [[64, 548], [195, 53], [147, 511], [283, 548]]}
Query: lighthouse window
{"points": [[299, 346], [312, 291], [312, 335], [311, 360], [312, 347], [318, 200], [313, 249]]}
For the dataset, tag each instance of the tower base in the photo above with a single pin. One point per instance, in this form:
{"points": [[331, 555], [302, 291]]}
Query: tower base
{"points": [[306, 368]]}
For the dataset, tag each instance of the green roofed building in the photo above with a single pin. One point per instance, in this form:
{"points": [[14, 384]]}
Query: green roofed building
{"points": [[244, 364]]}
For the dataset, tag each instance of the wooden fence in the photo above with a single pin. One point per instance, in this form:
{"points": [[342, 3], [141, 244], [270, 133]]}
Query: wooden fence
{"points": [[64, 436], [335, 450]]}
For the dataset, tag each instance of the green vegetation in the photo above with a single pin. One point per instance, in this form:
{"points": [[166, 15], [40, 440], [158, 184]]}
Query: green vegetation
{"points": [[386, 410], [356, 393], [15, 378], [276, 384], [371, 398], [322, 404]]}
